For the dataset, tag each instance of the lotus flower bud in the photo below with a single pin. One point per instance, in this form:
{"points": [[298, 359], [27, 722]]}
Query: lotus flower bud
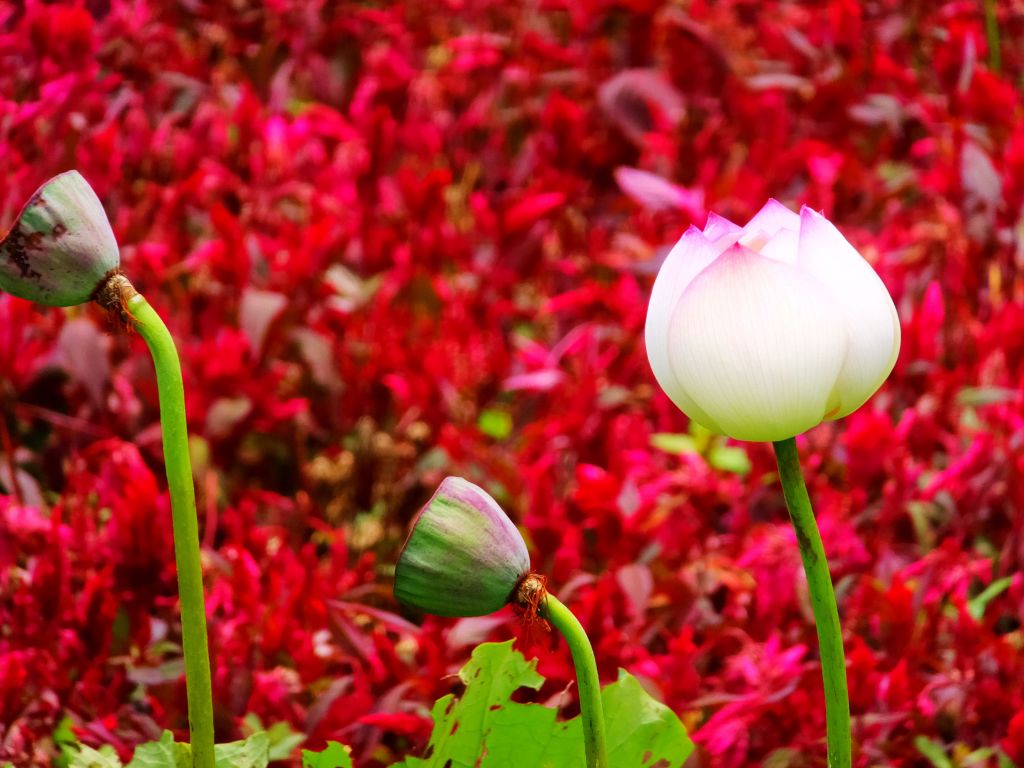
{"points": [[61, 248], [463, 557], [763, 331]]}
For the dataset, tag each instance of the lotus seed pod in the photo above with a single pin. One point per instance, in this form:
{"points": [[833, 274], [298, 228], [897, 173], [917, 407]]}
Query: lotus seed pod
{"points": [[463, 557], [61, 248]]}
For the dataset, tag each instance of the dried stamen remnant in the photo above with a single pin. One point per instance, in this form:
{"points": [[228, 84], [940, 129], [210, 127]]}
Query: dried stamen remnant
{"points": [[527, 599], [113, 295]]}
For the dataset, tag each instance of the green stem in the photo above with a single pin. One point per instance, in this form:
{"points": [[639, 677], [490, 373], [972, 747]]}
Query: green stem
{"points": [[186, 527], [823, 603], [995, 59], [591, 709]]}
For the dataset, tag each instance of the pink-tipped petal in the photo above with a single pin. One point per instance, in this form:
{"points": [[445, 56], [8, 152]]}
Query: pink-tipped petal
{"points": [[691, 255], [869, 313], [772, 217], [717, 227], [773, 232]]}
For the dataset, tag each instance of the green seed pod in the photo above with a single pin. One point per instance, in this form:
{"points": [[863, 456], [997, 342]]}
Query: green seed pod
{"points": [[61, 248], [463, 557]]}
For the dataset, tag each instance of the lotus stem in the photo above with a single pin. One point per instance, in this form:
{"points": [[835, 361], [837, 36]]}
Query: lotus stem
{"points": [[591, 708], [823, 604], [183, 512], [995, 58]]}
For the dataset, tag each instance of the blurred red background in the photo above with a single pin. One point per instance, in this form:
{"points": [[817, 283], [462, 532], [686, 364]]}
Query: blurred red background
{"points": [[396, 241]]}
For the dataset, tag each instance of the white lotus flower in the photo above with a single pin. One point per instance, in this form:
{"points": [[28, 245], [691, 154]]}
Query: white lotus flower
{"points": [[764, 331]]}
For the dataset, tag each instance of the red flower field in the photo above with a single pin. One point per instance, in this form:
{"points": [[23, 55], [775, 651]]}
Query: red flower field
{"points": [[399, 241]]}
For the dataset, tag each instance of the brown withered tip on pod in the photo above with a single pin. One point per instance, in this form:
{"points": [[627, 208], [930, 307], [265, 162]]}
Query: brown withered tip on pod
{"points": [[463, 557], [61, 249]]}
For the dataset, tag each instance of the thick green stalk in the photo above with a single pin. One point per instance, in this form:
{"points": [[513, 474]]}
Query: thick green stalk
{"points": [[823, 603], [186, 527], [995, 58], [591, 709]]}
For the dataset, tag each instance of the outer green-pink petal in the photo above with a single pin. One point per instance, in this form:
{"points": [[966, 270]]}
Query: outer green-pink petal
{"points": [[463, 557], [61, 247]]}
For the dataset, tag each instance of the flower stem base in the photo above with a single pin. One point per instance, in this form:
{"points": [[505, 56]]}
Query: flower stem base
{"points": [[532, 600], [823, 604]]}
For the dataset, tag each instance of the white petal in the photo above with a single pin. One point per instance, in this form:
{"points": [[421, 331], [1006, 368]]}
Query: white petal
{"points": [[782, 246], [716, 226], [773, 232], [691, 255], [758, 345], [872, 324], [772, 217]]}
